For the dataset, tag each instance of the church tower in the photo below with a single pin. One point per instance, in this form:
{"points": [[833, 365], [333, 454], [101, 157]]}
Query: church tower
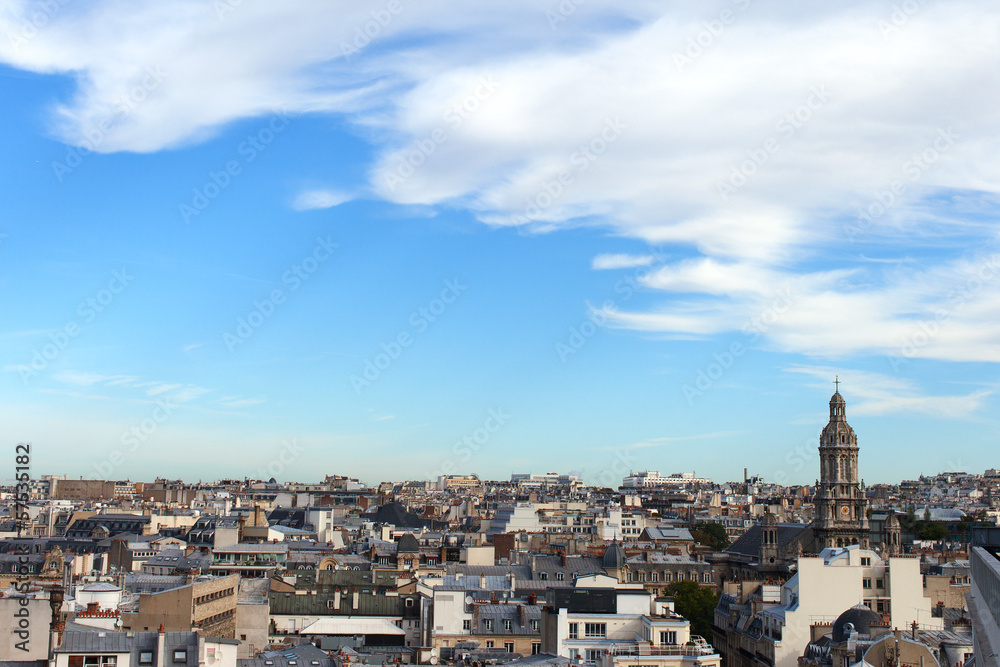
{"points": [[841, 517]]}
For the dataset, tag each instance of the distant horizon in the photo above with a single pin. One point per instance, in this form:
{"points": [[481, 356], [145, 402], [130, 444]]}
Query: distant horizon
{"points": [[371, 485]]}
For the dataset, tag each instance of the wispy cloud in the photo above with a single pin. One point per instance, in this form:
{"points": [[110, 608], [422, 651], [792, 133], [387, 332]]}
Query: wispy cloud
{"points": [[621, 261], [316, 199], [192, 346], [878, 394], [667, 441], [241, 401], [161, 389]]}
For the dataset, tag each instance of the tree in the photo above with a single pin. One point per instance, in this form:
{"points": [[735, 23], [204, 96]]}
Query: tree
{"points": [[695, 603], [711, 535]]}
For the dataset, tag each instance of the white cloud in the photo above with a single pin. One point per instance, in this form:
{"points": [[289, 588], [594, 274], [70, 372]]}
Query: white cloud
{"points": [[757, 154], [315, 199], [161, 389], [241, 401], [82, 379], [621, 261], [878, 394]]}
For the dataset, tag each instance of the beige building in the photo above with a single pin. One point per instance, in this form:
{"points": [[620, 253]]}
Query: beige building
{"points": [[208, 604]]}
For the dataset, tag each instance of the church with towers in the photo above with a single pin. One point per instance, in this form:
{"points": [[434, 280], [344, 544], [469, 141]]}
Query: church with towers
{"points": [[840, 510]]}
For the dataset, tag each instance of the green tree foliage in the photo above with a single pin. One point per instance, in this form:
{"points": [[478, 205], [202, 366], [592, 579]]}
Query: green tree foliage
{"points": [[931, 530], [711, 535], [696, 604]]}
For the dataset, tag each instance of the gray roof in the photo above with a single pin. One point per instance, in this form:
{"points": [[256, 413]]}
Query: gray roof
{"points": [[304, 655], [100, 586], [748, 544]]}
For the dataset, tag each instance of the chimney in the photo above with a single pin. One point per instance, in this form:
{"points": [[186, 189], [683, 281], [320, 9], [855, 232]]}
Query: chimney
{"points": [[160, 646], [562, 558]]}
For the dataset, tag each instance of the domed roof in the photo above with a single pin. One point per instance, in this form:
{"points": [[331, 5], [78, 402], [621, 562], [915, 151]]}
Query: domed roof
{"points": [[769, 520], [407, 544], [891, 521], [614, 556], [860, 618], [837, 399]]}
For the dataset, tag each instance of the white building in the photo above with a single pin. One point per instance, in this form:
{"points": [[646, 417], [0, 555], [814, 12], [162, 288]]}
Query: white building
{"points": [[824, 586], [512, 518], [650, 478], [606, 624]]}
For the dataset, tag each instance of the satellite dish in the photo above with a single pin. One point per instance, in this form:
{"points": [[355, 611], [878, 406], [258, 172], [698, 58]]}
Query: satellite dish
{"points": [[468, 599]]}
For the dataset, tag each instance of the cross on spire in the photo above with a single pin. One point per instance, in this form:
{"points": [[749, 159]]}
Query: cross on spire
{"points": [[836, 381]]}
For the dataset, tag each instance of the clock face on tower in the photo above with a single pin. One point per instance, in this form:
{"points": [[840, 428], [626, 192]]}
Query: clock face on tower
{"points": [[845, 512]]}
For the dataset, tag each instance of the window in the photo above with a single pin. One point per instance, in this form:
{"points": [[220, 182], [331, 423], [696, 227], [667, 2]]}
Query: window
{"points": [[467, 624], [866, 583], [879, 583], [180, 655], [667, 577], [668, 638], [508, 646], [536, 647], [506, 625], [93, 660], [574, 630], [595, 630], [488, 623], [534, 625], [489, 643], [146, 657], [866, 562], [654, 576], [543, 575], [593, 655], [560, 576], [409, 602]]}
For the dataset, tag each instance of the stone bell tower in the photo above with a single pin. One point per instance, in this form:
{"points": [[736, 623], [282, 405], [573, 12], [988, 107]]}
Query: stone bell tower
{"points": [[841, 507]]}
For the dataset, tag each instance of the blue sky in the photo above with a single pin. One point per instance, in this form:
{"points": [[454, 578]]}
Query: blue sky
{"points": [[389, 240]]}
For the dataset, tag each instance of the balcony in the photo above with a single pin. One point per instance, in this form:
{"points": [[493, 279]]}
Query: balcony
{"points": [[697, 648]]}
